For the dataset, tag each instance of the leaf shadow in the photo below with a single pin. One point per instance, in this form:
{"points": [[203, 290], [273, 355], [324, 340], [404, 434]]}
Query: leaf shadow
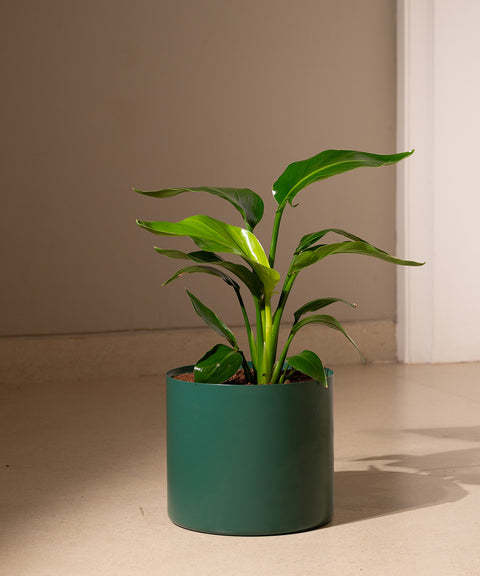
{"points": [[422, 481]]}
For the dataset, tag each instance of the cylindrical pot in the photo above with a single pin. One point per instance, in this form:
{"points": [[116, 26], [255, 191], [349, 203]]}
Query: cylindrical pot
{"points": [[249, 460]]}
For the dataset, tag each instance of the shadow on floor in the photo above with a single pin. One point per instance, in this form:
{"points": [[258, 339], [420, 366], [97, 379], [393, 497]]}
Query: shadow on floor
{"points": [[360, 495], [434, 479]]}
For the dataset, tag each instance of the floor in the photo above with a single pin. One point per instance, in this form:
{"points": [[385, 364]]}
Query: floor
{"points": [[82, 483]]}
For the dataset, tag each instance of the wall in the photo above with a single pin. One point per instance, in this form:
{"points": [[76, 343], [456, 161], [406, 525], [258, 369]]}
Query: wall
{"points": [[438, 195], [102, 96]]}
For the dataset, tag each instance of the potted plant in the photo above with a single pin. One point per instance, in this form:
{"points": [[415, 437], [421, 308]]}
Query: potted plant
{"points": [[250, 441]]}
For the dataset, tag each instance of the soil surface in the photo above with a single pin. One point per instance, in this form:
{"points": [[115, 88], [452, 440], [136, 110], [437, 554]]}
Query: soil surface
{"points": [[239, 377]]}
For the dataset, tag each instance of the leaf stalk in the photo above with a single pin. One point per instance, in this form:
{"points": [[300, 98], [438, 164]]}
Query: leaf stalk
{"points": [[275, 231]]}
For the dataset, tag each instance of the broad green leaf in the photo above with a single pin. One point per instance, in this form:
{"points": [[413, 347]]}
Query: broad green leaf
{"points": [[246, 201], [212, 320], [328, 163], [317, 305], [205, 270], [312, 255], [251, 281], [215, 236], [217, 365], [311, 239], [326, 320], [310, 364]]}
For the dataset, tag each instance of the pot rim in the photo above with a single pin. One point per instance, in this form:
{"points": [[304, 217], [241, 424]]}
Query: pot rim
{"points": [[185, 369]]}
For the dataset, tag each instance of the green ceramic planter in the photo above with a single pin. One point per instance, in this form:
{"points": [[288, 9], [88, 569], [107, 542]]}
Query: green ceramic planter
{"points": [[249, 460]]}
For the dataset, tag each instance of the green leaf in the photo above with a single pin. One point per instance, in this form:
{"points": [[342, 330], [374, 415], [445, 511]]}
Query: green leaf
{"points": [[312, 255], [328, 163], [205, 270], [212, 320], [310, 364], [217, 365], [179, 255], [251, 281], [215, 236], [326, 320], [310, 239], [246, 201], [317, 305]]}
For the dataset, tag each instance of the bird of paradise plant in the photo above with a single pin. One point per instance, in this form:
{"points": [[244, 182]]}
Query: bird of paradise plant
{"points": [[257, 273]]}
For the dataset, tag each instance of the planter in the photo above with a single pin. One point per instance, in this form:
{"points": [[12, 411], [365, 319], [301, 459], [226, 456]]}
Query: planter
{"points": [[249, 460]]}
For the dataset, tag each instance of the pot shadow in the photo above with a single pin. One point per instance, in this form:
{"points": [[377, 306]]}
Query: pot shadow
{"points": [[423, 481]]}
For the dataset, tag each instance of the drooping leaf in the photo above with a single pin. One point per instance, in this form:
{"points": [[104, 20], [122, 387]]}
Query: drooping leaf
{"points": [[246, 201], [315, 305], [211, 235], [310, 364], [205, 270], [179, 255], [212, 320], [251, 281], [328, 163], [217, 365], [215, 236], [326, 320], [312, 255], [311, 239]]}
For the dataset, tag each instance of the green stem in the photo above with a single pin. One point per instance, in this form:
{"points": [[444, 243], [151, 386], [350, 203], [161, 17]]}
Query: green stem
{"points": [[277, 317], [246, 369], [276, 229], [285, 375], [281, 360], [268, 338]]}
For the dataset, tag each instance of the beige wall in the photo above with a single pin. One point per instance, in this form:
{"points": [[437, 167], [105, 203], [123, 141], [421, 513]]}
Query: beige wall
{"points": [[99, 96]]}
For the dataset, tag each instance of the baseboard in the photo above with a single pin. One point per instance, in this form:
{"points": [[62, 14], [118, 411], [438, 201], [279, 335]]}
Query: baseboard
{"points": [[37, 359]]}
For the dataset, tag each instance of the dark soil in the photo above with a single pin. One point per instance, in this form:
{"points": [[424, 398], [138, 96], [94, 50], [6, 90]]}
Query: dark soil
{"points": [[239, 377]]}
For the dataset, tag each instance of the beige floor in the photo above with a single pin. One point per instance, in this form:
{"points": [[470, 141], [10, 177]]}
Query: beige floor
{"points": [[82, 483]]}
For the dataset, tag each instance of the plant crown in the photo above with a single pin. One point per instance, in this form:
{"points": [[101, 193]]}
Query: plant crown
{"points": [[269, 362]]}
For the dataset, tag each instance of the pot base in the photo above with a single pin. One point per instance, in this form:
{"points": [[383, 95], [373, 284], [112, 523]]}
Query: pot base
{"points": [[247, 534]]}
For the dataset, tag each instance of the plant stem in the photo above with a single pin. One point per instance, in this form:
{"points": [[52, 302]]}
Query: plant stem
{"points": [[277, 317], [286, 374], [281, 360], [264, 337], [246, 369], [268, 339], [276, 228]]}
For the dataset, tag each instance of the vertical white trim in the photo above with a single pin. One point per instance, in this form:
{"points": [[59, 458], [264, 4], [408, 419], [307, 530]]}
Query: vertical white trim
{"points": [[415, 178], [457, 198]]}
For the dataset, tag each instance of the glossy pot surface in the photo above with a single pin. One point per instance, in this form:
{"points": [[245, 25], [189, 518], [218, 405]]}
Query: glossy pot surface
{"points": [[249, 459]]}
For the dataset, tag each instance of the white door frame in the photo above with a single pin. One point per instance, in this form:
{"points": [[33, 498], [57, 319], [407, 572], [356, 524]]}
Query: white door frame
{"points": [[438, 190], [415, 178]]}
